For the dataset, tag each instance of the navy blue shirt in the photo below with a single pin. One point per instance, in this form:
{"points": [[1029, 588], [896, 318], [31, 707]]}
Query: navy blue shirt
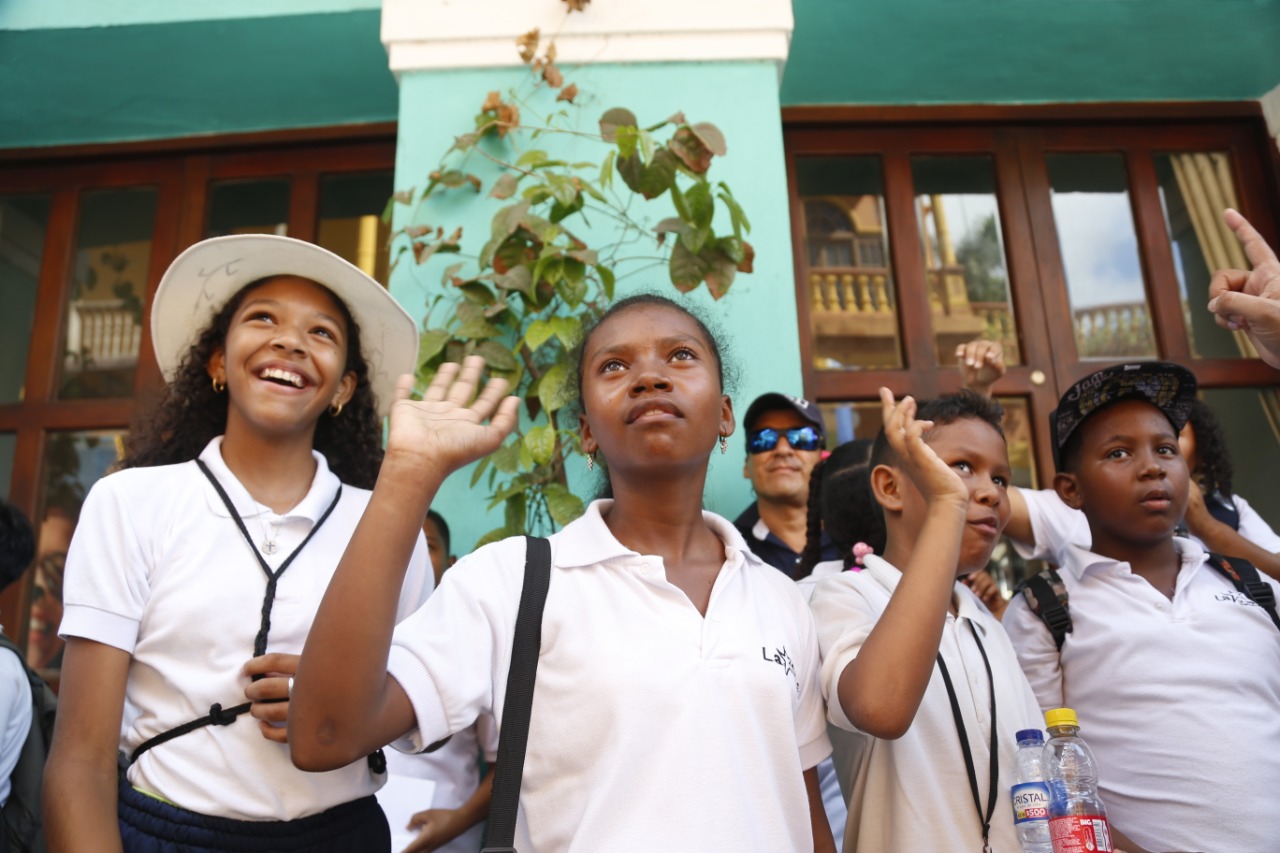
{"points": [[773, 550]]}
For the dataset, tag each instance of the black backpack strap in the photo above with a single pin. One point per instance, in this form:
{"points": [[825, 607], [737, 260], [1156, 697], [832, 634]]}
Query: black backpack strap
{"points": [[1245, 578], [501, 833], [1046, 595]]}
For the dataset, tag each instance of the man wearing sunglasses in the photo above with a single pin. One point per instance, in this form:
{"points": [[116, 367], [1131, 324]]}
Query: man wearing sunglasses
{"points": [[784, 441]]}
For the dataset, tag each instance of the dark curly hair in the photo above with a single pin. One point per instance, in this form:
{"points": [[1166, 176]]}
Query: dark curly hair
{"points": [[841, 502], [947, 409], [191, 413], [17, 543], [1213, 459]]}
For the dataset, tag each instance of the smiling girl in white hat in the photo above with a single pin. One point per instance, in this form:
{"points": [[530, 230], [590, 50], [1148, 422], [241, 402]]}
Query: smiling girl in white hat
{"points": [[195, 573]]}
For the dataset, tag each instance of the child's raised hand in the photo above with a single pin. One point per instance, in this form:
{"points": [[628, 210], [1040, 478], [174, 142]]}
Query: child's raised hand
{"points": [[981, 364], [447, 428], [934, 478]]}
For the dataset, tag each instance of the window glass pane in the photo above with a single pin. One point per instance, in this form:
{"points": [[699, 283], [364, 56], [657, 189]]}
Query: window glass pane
{"points": [[249, 207], [964, 259], [1100, 255], [852, 304], [1250, 419], [1194, 190], [351, 223], [8, 445], [103, 324], [22, 226], [73, 462]]}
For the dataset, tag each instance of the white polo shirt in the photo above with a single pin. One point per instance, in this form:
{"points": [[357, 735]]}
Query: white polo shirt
{"points": [[912, 794], [654, 728], [158, 568], [15, 716], [1057, 526], [1179, 700]]}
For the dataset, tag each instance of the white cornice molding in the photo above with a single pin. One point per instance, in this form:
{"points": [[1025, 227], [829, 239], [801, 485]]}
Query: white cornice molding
{"points": [[1271, 112], [442, 34]]}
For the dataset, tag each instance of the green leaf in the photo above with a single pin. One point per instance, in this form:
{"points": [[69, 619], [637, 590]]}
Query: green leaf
{"points": [[479, 470], [477, 293], [563, 504], [701, 206], [555, 388], [720, 273], [628, 139], [559, 211], [541, 443], [732, 247], [506, 458], [505, 187], [687, 269], [614, 119], [562, 188], [539, 332], [430, 343], [532, 159], [517, 278], [607, 281], [507, 220], [682, 206], [472, 323], [691, 150], [606, 172], [650, 181], [497, 356], [694, 239], [449, 273], [454, 178], [514, 512], [495, 535], [566, 329], [646, 146], [740, 221]]}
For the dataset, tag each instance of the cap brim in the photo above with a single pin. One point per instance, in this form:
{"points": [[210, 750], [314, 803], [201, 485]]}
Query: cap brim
{"points": [[201, 280]]}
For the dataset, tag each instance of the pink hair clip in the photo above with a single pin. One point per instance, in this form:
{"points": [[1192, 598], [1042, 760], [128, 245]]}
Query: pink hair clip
{"points": [[861, 550]]}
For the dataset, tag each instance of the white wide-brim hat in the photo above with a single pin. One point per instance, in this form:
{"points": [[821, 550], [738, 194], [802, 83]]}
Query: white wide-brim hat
{"points": [[201, 280]]}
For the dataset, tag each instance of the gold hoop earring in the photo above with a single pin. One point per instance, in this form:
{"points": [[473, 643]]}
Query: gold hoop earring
{"points": [[335, 409], [724, 444], [591, 461], [218, 387]]}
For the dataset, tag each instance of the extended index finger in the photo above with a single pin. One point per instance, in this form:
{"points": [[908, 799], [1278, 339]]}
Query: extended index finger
{"points": [[1255, 248]]}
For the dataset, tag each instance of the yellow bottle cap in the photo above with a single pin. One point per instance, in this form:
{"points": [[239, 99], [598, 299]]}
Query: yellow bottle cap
{"points": [[1061, 717]]}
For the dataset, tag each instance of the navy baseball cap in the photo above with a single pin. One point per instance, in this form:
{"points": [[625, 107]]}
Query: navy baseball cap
{"points": [[773, 401], [1169, 387]]}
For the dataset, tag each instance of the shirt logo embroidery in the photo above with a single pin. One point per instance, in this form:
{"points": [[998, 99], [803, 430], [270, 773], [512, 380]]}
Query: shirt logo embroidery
{"points": [[1236, 597], [782, 659]]}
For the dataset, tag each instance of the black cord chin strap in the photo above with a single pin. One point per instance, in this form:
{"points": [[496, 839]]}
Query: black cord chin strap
{"points": [[219, 716], [984, 818]]}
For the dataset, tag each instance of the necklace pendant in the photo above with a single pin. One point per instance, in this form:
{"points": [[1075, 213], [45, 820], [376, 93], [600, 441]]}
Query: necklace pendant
{"points": [[268, 547]]}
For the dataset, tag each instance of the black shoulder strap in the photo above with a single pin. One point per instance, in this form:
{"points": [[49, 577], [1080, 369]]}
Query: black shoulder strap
{"points": [[1245, 578], [501, 833], [1046, 595]]}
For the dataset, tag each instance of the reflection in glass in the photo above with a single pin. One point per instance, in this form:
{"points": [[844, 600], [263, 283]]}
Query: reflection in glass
{"points": [[249, 207], [351, 223], [964, 257], [852, 304], [1250, 419], [103, 324], [22, 227], [73, 462], [1094, 220], [1194, 190], [8, 447]]}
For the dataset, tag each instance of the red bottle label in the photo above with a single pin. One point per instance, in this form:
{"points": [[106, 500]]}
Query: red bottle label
{"points": [[1080, 833]]}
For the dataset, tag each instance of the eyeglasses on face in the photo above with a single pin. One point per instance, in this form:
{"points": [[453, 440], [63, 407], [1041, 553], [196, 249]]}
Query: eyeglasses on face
{"points": [[799, 438]]}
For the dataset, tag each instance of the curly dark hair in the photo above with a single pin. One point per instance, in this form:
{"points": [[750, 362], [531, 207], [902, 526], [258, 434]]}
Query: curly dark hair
{"points": [[1213, 459], [17, 543], [841, 502], [947, 409], [191, 413]]}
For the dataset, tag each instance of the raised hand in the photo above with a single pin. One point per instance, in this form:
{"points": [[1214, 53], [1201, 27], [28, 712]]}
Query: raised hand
{"points": [[447, 428], [934, 478], [1250, 300], [981, 364]]}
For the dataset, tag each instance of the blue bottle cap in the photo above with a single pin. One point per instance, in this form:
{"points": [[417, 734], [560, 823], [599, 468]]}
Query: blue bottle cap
{"points": [[1032, 735]]}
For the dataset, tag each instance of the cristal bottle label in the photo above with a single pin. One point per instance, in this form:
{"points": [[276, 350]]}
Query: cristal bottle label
{"points": [[1080, 833], [1030, 802]]}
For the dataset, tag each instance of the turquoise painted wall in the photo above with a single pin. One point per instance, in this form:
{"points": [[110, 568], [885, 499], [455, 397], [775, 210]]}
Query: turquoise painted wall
{"points": [[1011, 51], [63, 14], [163, 80], [758, 315]]}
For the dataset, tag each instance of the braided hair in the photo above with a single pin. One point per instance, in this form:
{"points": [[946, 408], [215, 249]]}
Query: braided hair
{"points": [[190, 413], [841, 503]]}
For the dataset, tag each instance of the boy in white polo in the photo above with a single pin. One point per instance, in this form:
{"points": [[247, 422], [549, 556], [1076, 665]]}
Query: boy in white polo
{"points": [[1175, 675]]}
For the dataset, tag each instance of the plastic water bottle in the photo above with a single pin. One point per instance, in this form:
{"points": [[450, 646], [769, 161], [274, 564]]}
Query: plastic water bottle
{"points": [[1077, 818], [1030, 794]]}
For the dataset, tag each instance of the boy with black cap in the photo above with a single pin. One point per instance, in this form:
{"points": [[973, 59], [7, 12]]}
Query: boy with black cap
{"points": [[785, 439], [1175, 673]]}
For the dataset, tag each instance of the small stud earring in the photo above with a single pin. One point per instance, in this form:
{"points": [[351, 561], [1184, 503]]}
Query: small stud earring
{"points": [[724, 444], [335, 409], [218, 387], [591, 461]]}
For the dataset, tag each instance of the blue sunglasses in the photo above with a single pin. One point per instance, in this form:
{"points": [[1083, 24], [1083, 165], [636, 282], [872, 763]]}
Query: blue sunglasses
{"points": [[800, 438]]}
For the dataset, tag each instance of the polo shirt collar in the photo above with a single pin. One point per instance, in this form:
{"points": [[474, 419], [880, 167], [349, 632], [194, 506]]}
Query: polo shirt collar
{"points": [[1079, 560], [318, 498], [887, 576], [588, 540]]}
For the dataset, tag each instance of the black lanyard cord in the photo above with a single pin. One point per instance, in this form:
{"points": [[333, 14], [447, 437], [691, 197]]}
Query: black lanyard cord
{"points": [[268, 599], [994, 777]]}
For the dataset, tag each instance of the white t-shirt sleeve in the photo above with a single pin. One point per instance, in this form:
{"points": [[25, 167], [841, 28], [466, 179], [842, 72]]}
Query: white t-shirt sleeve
{"points": [[844, 618], [419, 581], [15, 716], [1036, 651], [451, 656], [1254, 528], [1054, 525], [487, 736], [106, 583]]}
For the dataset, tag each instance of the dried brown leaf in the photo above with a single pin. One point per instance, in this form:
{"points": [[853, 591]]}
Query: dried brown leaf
{"points": [[492, 102], [568, 93], [508, 118], [577, 5], [416, 231], [553, 76], [527, 44]]}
